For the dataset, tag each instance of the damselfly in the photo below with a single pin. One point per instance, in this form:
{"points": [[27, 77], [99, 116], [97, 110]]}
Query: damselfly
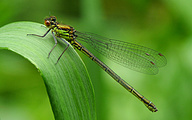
{"points": [[135, 57]]}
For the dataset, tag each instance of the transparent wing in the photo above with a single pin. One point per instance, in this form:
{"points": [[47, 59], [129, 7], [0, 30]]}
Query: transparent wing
{"points": [[135, 57]]}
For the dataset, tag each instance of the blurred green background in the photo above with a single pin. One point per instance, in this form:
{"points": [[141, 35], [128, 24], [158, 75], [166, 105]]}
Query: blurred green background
{"points": [[164, 25]]}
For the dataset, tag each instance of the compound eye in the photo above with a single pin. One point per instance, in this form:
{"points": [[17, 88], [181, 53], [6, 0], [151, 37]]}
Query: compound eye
{"points": [[47, 23]]}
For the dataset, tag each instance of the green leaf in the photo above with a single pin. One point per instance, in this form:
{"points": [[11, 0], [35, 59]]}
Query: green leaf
{"points": [[68, 84]]}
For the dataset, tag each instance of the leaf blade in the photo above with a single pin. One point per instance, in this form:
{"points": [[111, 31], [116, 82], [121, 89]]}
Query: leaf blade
{"points": [[67, 83]]}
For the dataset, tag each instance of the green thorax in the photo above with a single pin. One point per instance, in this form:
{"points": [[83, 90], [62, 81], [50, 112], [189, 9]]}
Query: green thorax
{"points": [[65, 31]]}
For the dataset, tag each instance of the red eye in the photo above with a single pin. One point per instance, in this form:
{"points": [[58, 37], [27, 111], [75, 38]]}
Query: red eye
{"points": [[47, 23]]}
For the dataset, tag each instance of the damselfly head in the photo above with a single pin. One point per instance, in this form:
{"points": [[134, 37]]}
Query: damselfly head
{"points": [[50, 21], [53, 18]]}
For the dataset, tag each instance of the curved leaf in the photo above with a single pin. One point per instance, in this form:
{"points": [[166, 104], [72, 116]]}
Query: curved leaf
{"points": [[68, 84]]}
